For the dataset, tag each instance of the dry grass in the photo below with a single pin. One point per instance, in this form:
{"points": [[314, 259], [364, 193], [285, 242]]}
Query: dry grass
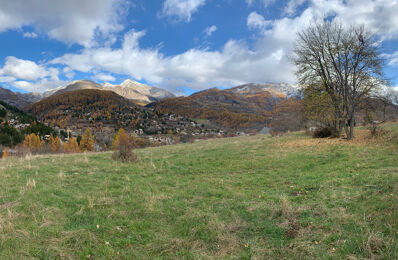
{"points": [[362, 138], [238, 198]]}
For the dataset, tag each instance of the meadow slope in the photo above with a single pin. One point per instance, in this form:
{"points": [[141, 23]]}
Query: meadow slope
{"points": [[242, 198]]}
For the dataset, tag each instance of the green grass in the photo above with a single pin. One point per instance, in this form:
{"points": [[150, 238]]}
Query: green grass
{"points": [[238, 198]]}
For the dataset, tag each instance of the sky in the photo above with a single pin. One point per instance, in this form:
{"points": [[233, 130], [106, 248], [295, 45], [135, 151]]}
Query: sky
{"points": [[180, 45]]}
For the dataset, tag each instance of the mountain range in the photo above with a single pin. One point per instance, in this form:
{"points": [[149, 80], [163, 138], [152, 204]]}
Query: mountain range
{"points": [[247, 106], [130, 89], [244, 107]]}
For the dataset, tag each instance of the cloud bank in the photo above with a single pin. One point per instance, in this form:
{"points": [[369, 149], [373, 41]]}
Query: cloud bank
{"points": [[264, 58]]}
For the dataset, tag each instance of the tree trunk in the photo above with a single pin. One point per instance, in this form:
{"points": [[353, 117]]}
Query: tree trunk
{"points": [[352, 125], [347, 131], [349, 128], [384, 112]]}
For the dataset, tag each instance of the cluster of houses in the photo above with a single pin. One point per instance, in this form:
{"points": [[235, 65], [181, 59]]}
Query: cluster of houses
{"points": [[146, 123], [14, 122]]}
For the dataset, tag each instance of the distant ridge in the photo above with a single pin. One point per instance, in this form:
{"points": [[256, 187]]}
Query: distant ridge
{"points": [[130, 89], [245, 107], [134, 90]]}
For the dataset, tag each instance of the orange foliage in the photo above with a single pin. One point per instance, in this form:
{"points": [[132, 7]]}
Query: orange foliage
{"points": [[71, 146], [87, 142], [5, 154], [32, 143], [55, 144]]}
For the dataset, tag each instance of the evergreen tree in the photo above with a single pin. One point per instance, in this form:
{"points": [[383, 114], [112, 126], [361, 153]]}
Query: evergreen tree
{"points": [[32, 143], [55, 143], [87, 142], [71, 146]]}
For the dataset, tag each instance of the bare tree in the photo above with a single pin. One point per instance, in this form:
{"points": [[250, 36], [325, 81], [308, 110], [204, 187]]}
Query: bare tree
{"points": [[344, 63]]}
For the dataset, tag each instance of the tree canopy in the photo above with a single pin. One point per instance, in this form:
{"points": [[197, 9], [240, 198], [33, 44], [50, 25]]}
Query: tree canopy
{"points": [[343, 63]]}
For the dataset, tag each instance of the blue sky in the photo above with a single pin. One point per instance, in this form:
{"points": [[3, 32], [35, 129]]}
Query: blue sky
{"points": [[180, 45]]}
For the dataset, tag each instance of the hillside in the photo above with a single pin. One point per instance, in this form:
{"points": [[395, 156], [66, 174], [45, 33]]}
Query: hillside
{"points": [[275, 198], [105, 112], [13, 98], [15, 123], [87, 106], [241, 108]]}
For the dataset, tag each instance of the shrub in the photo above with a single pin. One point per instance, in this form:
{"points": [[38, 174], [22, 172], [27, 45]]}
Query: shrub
{"points": [[324, 132], [125, 147], [376, 130]]}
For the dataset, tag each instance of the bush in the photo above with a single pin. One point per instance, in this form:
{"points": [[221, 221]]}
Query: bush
{"points": [[125, 148], [376, 130], [324, 132]]}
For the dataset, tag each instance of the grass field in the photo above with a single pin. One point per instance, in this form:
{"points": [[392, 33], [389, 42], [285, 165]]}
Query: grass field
{"points": [[238, 198]]}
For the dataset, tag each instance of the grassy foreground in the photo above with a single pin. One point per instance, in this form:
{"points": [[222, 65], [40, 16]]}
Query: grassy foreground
{"points": [[242, 198]]}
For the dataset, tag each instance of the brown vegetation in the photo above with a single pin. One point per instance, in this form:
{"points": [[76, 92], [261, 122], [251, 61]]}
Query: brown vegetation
{"points": [[71, 146], [87, 142], [223, 107], [124, 145]]}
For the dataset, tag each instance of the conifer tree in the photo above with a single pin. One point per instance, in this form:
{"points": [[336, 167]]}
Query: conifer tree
{"points": [[115, 142], [87, 142], [71, 146], [125, 145], [32, 142], [55, 143]]}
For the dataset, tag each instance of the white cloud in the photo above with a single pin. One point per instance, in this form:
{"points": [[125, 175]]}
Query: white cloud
{"points": [[104, 77], [30, 35], [292, 6], [379, 16], [182, 9], [392, 58], [38, 86], [210, 30], [198, 69], [25, 69], [257, 21], [7, 79], [71, 21], [265, 59], [68, 72], [28, 75], [265, 3]]}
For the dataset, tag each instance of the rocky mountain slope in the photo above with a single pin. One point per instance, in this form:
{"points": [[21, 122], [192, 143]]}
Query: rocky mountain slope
{"points": [[15, 98], [139, 92]]}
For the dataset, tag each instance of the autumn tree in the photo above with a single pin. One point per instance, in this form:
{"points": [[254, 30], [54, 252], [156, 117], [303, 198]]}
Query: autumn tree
{"points": [[115, 142], [87, 142], [32, 143], [5, 153], [71, 146], [55, 144], [342, 62], [125, 147]]}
